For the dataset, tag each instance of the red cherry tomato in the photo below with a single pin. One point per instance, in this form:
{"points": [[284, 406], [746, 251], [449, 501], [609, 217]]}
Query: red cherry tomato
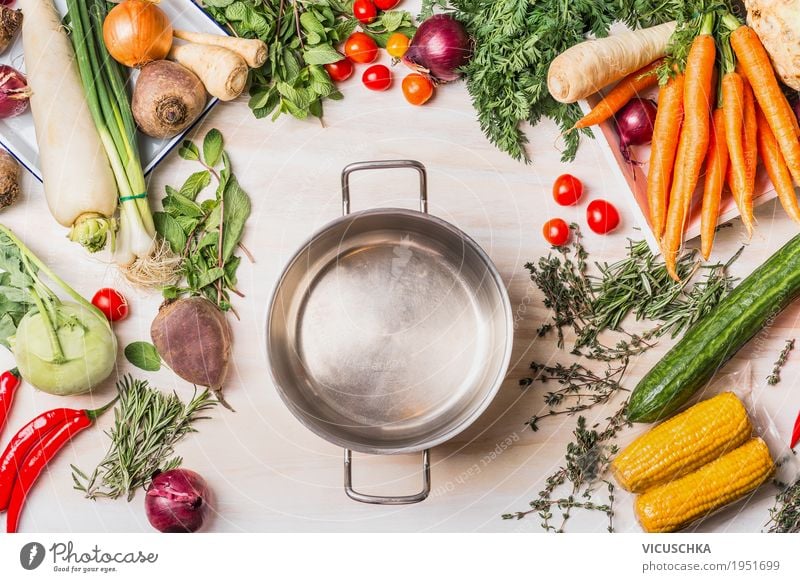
{"points": [[567, 190], [377, 78], [556, 232], [386, 4], [601, 216], [365, 11], [360, 48], [340, 70], [112, 303]]}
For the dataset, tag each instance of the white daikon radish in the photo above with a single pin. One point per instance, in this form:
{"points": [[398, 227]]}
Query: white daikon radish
{"points": [[78, 182]]}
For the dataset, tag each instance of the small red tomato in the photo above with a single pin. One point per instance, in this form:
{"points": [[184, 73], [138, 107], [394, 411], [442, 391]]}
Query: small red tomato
{"points": [[567, 190], [112, 303], [556, 232], [340, 70], [377, 78], [386, 4], [360, 48], [417, 89], [365, 11], [601, 216]]}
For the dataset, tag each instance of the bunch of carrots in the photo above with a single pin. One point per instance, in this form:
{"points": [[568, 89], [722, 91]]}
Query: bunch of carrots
{"points": [[749, 119]]}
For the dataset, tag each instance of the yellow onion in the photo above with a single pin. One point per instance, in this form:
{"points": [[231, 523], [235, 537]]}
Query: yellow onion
{"points": [[137, 32]]}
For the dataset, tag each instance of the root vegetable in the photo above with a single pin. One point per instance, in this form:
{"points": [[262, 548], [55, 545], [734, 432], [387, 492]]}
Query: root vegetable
{"points": [[194, 339], [591, 65], [167, 99], [778, 26], [10, 23], [9, 179], [223, 72], [78, 182], [252, 50]]}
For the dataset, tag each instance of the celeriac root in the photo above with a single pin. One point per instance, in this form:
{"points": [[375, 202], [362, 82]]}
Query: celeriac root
{"points": [[252, 50], [159, 269], [9, 179]]}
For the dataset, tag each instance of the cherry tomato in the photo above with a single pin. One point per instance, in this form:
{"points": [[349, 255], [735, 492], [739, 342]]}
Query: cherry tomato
{"points": [[112, 303], [365, 11], [377, 78], [567, 190], [397, 45], [340, 70], [386, 4], [417, 89], [360, 48], [556, 232], [602, 216]]}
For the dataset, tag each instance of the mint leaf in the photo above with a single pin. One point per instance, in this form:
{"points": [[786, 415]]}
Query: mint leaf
{"points": [[143, 355]]}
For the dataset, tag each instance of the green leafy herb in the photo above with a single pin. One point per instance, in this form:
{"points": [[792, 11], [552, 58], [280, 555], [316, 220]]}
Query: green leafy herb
{"points": [[775, 376], [205, 233], [515, 41], [147, 426], [143, 355], [302, 37]]}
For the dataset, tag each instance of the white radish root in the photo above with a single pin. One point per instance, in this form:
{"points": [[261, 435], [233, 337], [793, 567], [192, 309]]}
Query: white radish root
{"points": [[78, 182], [252, 50], [587, 67], [222, 71]]}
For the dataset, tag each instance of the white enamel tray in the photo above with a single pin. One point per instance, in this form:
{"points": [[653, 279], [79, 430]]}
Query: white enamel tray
{"points": [[17, 134]]}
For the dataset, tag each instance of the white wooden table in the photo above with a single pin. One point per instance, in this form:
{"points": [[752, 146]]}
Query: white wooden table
{"points": [[268, 472]]}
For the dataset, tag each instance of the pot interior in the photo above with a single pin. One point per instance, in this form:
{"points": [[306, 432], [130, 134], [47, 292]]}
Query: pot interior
{"points": [[389, 332]]}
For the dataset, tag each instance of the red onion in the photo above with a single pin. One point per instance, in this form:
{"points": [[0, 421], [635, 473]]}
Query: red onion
{"points": [[14, 92], [177, 501], [439, 48], [635, 123]]}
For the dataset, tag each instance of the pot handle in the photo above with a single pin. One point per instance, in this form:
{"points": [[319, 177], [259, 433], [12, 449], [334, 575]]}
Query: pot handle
{"points": [[387, 500], [385, 165]]}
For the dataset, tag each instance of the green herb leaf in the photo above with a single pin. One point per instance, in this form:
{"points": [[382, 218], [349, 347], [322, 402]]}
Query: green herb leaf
{"points": [[194, 184], [178, 204], [237, 211], [170, 230], [143, 355], [189, 151], [212, 149], [321, 55], [8, 328]]}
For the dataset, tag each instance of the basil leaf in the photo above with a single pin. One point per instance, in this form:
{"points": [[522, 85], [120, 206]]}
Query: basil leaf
{"points": [[143, 355]]}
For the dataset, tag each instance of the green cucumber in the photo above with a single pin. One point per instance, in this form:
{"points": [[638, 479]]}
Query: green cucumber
{"points": [[705, 348]]}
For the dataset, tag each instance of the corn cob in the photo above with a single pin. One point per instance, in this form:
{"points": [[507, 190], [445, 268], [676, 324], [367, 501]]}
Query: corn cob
{"points": [[683, 444], [673, 505]]}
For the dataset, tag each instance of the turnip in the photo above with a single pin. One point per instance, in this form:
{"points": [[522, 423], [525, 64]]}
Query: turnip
{"points": [[167, 99], [9, 179], [193, 338], [61, 347], [10, 23]]}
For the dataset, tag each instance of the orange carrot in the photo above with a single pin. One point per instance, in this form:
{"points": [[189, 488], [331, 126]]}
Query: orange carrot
{"points": [[624, 91], [757, 67], [733, 106], [716, 168], [749, 127], [776, 167], [666, 131], [693, 143]]}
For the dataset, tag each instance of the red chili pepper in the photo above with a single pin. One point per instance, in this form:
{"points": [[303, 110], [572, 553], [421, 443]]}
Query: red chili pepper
{"points": [[9, 382], [796, 432], [41, 454]]}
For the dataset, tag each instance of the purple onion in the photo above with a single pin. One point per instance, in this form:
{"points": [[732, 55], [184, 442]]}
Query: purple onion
{"points": [[177, 501], [14, 92], [439, 48], [635, 123]]}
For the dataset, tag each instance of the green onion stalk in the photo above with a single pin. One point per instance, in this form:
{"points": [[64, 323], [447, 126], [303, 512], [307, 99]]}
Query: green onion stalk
{"points": [[104, 85]]}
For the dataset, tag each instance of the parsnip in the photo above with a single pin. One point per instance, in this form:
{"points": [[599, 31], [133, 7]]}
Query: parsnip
{"points": [[252, 50], [78, 182], [222, 71], [591, 65]]}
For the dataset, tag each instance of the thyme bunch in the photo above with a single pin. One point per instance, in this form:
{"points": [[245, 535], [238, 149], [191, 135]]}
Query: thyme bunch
{"points": [[775, 376], [785, 514]]}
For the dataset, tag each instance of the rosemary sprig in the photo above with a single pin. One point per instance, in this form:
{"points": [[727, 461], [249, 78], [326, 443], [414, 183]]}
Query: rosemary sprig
{"points": [[775, 376], [580, 388], [785, 514], [586, 462], [147, 425]]}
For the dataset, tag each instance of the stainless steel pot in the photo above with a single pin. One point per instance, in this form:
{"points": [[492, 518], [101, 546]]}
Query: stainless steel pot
{"points": [[389, 331]]}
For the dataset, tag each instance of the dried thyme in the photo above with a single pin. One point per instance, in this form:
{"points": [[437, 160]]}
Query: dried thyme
{"points": [[775, 376]]}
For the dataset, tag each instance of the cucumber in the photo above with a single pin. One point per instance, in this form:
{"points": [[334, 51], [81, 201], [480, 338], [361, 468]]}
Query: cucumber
{"points": [[705, 348]]}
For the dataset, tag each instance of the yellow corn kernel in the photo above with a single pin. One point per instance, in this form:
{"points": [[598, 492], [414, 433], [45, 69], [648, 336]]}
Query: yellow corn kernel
{"points": [[684, 443], [673, 505]]}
